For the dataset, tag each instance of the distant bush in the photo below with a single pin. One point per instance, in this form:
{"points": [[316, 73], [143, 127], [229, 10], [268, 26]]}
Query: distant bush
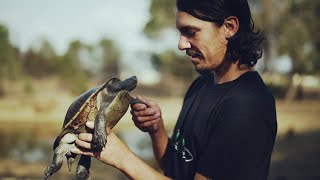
{"points": [[28, 87], [278, 91]]}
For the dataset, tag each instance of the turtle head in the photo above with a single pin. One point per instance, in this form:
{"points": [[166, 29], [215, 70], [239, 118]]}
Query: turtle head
{"points": [[115, 85]]}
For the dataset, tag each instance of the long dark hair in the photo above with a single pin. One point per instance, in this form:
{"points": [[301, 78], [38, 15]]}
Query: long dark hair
{"points": [[245, 45]]}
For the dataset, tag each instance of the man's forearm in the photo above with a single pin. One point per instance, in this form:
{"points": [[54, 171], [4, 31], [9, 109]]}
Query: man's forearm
{"points": [[159, 142], [135, 168]]}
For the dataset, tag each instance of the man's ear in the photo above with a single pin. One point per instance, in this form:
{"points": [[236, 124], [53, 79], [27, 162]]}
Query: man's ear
{"points": [[231, 25]]}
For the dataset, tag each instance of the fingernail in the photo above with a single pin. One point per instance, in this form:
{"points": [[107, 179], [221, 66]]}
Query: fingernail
{"points": [[142, 107], [88, 123], [151, 111]]}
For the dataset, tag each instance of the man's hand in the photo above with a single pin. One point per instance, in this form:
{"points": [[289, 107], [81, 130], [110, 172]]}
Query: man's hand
{"points": [[114, 152], [146, 116], [117, 154]]}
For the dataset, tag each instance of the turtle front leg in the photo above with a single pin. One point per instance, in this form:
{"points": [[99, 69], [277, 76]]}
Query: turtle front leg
{"points": [[99, 138]]}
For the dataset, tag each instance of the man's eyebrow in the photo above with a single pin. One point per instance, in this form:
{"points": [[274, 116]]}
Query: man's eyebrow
{"points": [[187, 28]]}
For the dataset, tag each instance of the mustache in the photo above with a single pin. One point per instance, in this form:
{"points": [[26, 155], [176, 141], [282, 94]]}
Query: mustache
{"points": [[193, 53]]}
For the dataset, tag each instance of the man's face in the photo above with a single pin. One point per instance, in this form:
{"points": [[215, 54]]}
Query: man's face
{"points": [[203, 41]]}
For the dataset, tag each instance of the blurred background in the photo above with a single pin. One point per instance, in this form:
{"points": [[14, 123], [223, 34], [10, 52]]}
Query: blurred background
{"points": [[52, 51]]}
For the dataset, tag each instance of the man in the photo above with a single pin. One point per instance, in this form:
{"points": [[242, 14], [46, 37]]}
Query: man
{"points": [[227, 126]]}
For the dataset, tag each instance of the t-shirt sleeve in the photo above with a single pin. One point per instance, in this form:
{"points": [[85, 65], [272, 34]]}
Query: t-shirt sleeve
{"points": [[237, 144]]}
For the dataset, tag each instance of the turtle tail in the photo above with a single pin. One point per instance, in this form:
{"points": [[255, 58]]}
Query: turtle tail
{"points": [[70, 159]]}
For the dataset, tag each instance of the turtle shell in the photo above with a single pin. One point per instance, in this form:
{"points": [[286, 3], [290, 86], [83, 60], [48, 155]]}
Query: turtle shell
{"points": [[83, 109]]}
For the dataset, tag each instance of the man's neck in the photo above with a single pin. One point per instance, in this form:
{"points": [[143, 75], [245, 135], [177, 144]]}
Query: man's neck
{"points": [[230, 72]]}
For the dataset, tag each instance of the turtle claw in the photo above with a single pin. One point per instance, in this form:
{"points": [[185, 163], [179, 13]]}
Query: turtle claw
{"points": [[98, 143], [136, 101], [52, 168], [47, 175]]}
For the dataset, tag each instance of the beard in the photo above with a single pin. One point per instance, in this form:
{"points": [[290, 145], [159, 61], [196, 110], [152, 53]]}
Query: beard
{"points": [[204, 70], [207, 69], [194, 53], [197, 54]]}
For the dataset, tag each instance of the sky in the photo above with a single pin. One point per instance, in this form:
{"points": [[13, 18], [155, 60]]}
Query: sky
{"points": [[61, 21]]}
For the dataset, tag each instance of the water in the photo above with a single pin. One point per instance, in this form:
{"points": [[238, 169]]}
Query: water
{"points": [[23, 146], [25, 153], [26, 146]]}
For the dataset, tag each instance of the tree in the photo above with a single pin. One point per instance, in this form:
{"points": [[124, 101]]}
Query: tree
{"points": [[162, 16], [176, 72], [169, 62], [305, 12], [70, 70], [42, 62], [299, 38], [110, 58], [9, 65]]}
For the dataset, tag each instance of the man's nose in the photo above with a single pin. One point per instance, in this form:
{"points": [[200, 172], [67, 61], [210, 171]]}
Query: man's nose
{"points": [[183, 43]]}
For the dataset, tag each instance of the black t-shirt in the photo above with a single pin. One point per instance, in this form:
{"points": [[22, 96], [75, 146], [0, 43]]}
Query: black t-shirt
{"points": [[224, 131]]}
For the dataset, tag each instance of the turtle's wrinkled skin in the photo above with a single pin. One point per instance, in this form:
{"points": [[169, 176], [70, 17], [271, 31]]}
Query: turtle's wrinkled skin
{"points": [[105, 105]]}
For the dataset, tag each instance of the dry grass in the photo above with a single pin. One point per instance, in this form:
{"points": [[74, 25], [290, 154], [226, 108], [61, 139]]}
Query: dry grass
{"points": [[299, 117]]}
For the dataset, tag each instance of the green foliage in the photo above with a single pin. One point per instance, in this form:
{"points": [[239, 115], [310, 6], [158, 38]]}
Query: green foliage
{"points": [[162, 16], [78, 85], [169, 62], [72, 67], [70, 70], [10, 69], [110, 58], [40, 63], [73, 77], [293, 44], [299, 36], [278, 90], [28, 87], [9, 65]]}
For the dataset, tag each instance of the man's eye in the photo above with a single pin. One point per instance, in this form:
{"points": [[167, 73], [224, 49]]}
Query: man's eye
{"points": [[189, 33]]}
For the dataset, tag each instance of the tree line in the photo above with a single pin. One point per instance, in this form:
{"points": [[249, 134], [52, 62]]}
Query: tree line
{"points": [[79, 63], [289, 26]]}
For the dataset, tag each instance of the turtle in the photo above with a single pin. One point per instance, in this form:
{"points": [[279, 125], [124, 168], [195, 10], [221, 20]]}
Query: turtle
{"points": [[105, 104]]}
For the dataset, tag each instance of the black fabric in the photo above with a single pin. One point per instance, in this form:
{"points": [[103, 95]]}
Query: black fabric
{"points": [[224, 131]]}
